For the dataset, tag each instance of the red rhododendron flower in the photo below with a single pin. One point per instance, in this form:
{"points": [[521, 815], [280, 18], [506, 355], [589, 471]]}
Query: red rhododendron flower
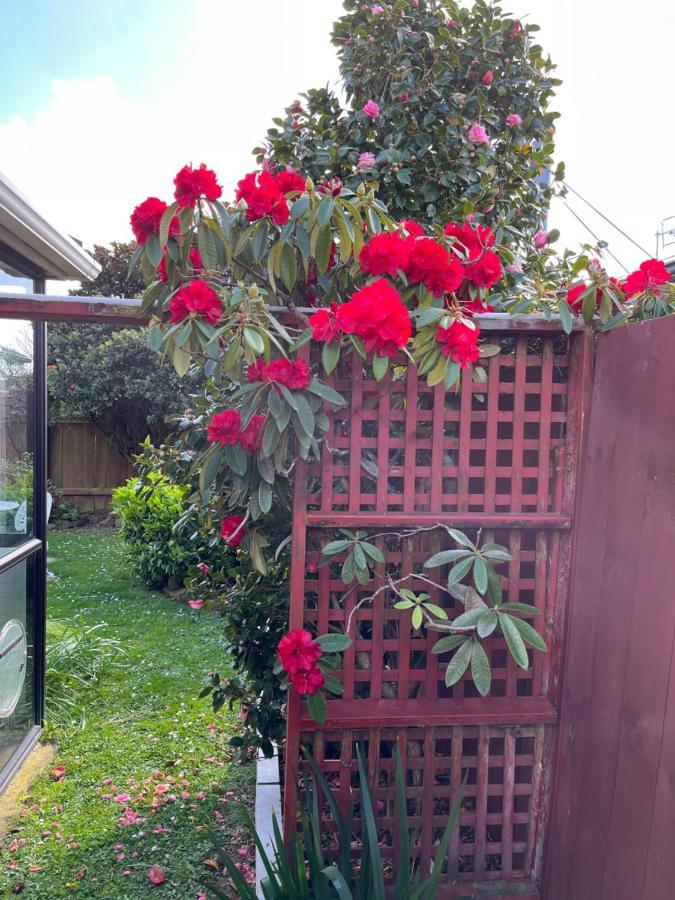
{"points": [[146, 218], [648, 278], [486, 271], [376, 314], [225, 428], [460, 343], [196, 299], [298, 651], [324, 325], [293, 375], [229, 526], [431, 265], [574, 300], [469, 241], [412, 228], [265, 194], [476, 307], [308, 683], [385, 254], [251, 436], [288, 180], [194, 256], [191, 184]]}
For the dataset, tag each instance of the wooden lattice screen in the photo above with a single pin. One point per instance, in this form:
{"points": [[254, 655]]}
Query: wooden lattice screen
{"points": [[500, 455]]}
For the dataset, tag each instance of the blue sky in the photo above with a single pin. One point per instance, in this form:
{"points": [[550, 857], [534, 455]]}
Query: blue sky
{"points": [[102, 101], [46, 39]]}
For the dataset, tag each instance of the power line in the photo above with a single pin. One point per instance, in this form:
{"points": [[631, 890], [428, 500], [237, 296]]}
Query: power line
{"points": [[607, 219], [598, 240]]}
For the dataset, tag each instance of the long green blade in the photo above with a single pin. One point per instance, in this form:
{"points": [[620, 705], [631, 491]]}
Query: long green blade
{"points": [[368, 819]]}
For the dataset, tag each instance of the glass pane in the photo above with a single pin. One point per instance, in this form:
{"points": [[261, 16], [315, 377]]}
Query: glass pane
{"points": [[17, 628], [16, 433]]}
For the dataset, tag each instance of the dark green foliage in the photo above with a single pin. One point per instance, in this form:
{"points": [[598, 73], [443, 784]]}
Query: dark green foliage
{"points": [[108, 375], [426, 167]]}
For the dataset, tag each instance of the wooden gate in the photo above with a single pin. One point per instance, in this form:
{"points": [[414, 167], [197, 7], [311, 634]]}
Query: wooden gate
{"points": [[500, 455]]}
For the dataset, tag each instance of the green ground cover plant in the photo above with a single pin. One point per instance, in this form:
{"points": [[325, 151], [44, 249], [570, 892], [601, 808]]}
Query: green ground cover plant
{"points": [[135, 803]]}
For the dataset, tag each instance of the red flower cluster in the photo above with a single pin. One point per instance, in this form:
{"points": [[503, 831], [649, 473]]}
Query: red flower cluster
{"points": [[194, 256], [191, 184], [265, 193], [299, 654], [293, 375], [385, 254], [324, 324], [574, 300], [225, 428], [229, 526], [647, 279], [412, 228], [195, 299], [460, 343], [146, 218], [376, 314], [430, 264], [482, 266]]}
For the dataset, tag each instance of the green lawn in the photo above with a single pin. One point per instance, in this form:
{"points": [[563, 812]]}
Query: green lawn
{"points": [[146, 735]]}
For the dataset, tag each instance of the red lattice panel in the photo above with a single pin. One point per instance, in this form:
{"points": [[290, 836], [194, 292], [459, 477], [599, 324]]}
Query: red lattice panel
{"points": [[498, 455], [502, 768], [403, 447]]}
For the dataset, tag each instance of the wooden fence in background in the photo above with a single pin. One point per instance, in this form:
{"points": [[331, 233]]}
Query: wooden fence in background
{"points": [[84, 466]]}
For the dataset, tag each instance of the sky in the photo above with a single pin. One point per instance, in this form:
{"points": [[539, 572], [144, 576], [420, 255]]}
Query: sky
{"points": [[101, 103]]}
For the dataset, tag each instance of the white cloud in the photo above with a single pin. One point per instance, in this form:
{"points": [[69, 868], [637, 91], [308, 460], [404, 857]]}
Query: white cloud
{"points": [[90, 154]]}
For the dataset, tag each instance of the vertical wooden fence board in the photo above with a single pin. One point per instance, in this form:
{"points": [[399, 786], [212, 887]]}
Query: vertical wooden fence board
{"points": [[615, 735]]}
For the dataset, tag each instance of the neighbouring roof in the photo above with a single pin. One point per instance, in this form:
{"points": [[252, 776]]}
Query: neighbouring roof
{"points": [[30, 245]]}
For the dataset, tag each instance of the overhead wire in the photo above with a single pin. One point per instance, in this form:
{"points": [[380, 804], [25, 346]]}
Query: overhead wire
{"points": [[595, 236], [607, 219]]}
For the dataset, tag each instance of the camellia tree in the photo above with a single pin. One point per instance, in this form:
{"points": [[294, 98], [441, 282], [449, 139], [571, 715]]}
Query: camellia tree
{"points": [[447, 114], [229, 286]]}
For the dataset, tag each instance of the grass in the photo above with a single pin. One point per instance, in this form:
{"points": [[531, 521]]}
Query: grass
{"points": [[145, 734]]}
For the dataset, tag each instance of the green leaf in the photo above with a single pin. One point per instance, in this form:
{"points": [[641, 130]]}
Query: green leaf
{"points": [[184, 334], [335, 642], [404, 604], [437, 611], [326, 393], [323, 244], [514, 641], [372, 551], [447, 644], [265, 497], [254, 341], [181, 361], [348, 569], [325, 211], [153, 250], [305, 414], [566, 318], [487, 623], [259, 241], [288, 267], [469, 618], [330, 356], [417, 618], [210, 465], [460, 538], [530, 635], [288, 396], [459, 663], [316, 704], [236, 458], [445, 557], [165, 223], [299, 206], [480, 669], [380, 367], [459, 570], [207, 247], [524, 608], [334, 547], [480, 574]]}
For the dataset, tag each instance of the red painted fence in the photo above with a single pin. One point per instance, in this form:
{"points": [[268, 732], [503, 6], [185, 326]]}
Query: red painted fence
{"points": [[612, 830], [501, 455]]}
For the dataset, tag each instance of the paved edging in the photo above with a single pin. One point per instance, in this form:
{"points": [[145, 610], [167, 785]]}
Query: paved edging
{"points": [[267, 801]]}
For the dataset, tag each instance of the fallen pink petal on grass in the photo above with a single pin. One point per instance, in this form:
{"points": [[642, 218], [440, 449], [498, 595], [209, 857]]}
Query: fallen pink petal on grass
{"points": [[156, 875]]}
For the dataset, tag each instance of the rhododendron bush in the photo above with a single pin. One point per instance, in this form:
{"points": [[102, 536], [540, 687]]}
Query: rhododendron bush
{"points": [[267, 293]]}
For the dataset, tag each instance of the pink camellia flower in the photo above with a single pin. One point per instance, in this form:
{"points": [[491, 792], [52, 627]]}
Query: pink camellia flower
{"points": [[372, 109], [122, 798], [540, 239], [405, 96], [477, 134], [203, 568], [196, 604], [156, 875], [487, 78], [513, 120], [366, 161], [376, 9]]}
